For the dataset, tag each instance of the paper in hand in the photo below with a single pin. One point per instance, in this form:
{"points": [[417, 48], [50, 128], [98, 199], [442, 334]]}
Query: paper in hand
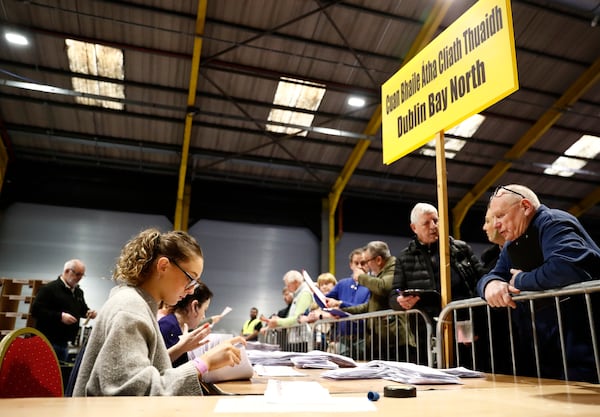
{"points": [[318, 295]]}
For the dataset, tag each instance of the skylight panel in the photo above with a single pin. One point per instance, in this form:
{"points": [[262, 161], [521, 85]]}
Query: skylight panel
{"points": [[94, 59], [468, 127], [452, 146], [587, 147], [299, 94]]}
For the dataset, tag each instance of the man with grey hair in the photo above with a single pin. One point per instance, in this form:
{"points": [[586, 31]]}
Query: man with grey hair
{"points": [[301, 300], [419, 265], [382, 337], [295, 335], [419, 269], [59, 305], [545, 249]]}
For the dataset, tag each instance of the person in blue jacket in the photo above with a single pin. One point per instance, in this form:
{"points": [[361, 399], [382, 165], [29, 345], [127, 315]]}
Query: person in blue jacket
{"points": [[347, 293], [545, 249]]}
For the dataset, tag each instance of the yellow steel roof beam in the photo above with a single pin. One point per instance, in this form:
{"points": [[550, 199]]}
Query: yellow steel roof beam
{"points": [[587, 203], [180, 216]]}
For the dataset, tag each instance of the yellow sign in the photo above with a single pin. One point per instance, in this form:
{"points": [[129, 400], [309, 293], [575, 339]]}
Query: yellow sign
{"points": [[467, 68]]}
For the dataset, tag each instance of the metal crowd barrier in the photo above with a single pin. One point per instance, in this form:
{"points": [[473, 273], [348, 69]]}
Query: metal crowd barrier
{"points": [[496, 337], [488, 339], [362, 337]]}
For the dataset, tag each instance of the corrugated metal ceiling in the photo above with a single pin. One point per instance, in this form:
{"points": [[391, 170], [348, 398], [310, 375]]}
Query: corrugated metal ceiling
{"points": [[351, 47]]}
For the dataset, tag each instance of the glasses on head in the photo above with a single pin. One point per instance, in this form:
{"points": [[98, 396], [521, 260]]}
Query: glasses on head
{"points": [[501, 188], [76, 273], [193, 281]]}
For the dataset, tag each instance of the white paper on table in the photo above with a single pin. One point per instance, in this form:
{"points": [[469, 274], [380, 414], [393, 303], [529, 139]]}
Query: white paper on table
{"points": [[258, 404], [295, 392], [262, 370]]}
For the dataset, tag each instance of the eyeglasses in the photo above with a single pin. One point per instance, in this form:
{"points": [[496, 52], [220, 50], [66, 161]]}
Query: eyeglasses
{"points": [[77, 274], [502, 187], [193, 281], [367, 261]]}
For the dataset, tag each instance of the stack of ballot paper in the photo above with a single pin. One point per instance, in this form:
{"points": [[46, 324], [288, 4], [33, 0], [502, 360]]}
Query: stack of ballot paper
{"points": [[313, 362], [276, 371], [319, 358], [265, 347], [404, 372]]}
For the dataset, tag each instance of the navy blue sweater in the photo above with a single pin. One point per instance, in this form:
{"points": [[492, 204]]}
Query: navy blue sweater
{"points": [[554, 251]]}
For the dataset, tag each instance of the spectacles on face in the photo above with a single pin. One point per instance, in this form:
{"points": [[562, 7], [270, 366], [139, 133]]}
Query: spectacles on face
{"points": [[77, 274], [366, 261], [500, 188], [193, 281]]}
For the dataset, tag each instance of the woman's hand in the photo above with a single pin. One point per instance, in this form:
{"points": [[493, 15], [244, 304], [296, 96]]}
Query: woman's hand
{"points": [[191, 340], [224, 354]]}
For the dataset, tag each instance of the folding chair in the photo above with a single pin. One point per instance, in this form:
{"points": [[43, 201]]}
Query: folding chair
{"points": [[28, 366]]}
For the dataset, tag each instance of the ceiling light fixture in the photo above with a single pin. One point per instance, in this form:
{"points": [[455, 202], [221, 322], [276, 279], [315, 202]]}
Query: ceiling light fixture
{"points": [[356, 101], [16, 38]]}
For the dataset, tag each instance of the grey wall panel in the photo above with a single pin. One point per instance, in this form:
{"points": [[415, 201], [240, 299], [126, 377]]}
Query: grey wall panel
{"points": [[245, 264], [36, 240]]}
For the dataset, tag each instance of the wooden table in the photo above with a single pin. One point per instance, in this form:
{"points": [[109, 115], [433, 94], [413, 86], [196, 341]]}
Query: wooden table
{"points": [[257, 385], [492, 396]]}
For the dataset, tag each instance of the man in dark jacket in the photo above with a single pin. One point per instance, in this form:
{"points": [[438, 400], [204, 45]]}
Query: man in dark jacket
{"points": [[545, 249], [418, 268], [419, 265], [59, 305]]}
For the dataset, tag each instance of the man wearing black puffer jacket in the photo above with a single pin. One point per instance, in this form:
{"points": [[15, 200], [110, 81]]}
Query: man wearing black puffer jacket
{"points": [[418, 267]]}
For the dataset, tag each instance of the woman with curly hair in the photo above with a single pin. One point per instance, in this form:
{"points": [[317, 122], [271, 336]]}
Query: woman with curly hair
{"points": [[125, 354]]}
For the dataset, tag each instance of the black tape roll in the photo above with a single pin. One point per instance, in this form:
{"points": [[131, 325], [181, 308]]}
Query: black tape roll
{"points": [[399, 391]]}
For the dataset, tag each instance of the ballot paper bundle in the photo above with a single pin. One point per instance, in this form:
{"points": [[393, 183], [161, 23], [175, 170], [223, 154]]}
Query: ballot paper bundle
{"points": [[265, 347], [314, 359], [403, 372]]}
